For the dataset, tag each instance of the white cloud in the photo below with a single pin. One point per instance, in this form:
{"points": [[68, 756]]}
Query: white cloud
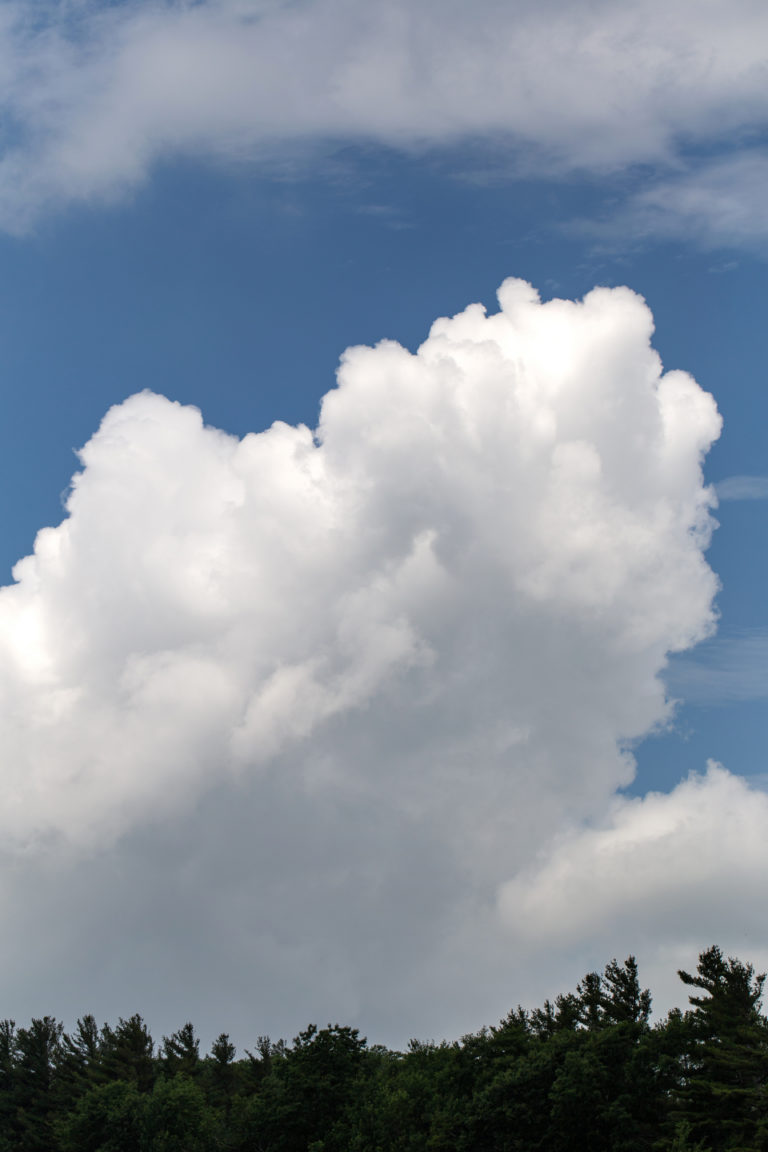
{"points": [[94, 94], [714, 202], [742, 488], [321, 694], [654, 862], [525, 479], [726, 669], [664, 875]]}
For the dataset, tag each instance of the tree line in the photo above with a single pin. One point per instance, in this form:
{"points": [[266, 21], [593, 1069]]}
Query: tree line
{"points": [[585, 1072]]}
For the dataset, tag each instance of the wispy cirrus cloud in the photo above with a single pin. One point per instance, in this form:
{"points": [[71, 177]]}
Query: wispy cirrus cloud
{"points": [[723, 670], [742, 488], [715, 201]]}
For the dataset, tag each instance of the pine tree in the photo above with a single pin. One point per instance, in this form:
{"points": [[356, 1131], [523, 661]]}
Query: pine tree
{"points": [[623, 1000], [129, 1053], [222, 1074], [722, 1094], [38, 1056], [180, 1052]]}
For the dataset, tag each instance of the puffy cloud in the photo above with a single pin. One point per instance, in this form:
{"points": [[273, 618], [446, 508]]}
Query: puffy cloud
{"points": [[94, 94], [668, 873], [323, 692], [464, 516], [658, 858]]}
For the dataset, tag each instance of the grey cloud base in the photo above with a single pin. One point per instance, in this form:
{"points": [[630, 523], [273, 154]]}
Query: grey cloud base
{"points": [[293, 715]]}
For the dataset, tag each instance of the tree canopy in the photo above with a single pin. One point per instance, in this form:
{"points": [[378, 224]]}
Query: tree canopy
{"points": [[587, 1071]]}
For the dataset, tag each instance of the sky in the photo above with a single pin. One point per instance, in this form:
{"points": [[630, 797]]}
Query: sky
{"points": [[383, 636]]}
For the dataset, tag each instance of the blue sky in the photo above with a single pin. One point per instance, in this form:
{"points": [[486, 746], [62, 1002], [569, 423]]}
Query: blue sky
{"points": [[185, 215]]}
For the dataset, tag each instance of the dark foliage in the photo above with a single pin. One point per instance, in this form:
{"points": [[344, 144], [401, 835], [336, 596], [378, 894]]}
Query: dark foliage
{"points": [[585, 1072]]}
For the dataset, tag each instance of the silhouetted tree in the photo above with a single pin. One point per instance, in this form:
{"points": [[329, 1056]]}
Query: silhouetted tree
{"points": [[722, 1094]]}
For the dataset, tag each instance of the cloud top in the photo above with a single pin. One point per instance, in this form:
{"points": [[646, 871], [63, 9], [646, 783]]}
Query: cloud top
{"points": [[489, 546]]}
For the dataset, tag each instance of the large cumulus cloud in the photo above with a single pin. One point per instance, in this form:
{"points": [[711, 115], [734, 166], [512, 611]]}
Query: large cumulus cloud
{"points": [[327, 691], [498, 538]]}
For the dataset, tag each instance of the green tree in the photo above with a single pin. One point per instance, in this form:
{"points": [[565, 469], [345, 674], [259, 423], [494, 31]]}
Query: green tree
{"points": [[7, 1077], [221, 1075], [80, 1064], [38, 1055], [303, 1100], [180, 1052], [177, 1118], [511, 1110], [722, 1093], [681, 1140], [590, 1001], [623, 1000], [128, 1053], [108, 1118]]}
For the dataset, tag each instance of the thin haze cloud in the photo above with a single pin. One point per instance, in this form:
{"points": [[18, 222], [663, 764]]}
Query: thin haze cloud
{"points": [[723, 670], [742, 488], [94, 95], [712, 202]]}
